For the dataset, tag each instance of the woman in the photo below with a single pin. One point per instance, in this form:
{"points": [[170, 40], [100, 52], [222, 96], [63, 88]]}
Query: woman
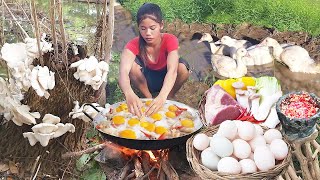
{"points": [[151, 63]]}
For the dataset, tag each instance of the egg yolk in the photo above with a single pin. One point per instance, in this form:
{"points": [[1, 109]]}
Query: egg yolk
{"points": [[122, 107], [117, 120], [148, 126], [188, 123], [156, 116], [161, 130], [133, 121], [143, 109], [170, 114], [128, 133], [148, 102], [173, 108]]}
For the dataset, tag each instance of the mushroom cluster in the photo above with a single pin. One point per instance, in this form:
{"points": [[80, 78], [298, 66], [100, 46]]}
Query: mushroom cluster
{"points": [[11, 107], [79, 112], [91, 72], [19, 58], [49, 129], [42, 79]]}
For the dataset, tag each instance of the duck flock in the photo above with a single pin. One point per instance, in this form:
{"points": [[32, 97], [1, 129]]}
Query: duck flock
{"points": [[230, 57]]}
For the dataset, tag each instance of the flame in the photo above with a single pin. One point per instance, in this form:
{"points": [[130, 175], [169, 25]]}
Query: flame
{"points": [[126, 151], [152, 156]]}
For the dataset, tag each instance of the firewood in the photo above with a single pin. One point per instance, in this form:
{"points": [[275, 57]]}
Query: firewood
{"points": [[145, 162], [169, 171], [125, 171], [303, 152], [137, 168], [80, 153]]}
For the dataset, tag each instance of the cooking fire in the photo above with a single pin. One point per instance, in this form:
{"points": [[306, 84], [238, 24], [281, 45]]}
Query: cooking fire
{"points": [[136, 164]]}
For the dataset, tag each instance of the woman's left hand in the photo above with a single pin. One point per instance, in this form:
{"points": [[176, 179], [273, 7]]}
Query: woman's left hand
{"points": [[156, 105]]}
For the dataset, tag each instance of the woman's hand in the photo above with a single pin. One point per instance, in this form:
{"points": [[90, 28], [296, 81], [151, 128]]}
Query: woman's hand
{"points": [[156, 105], [134, 104]]}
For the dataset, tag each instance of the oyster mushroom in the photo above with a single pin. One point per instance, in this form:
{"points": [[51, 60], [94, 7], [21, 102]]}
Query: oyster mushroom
{"points": [[51, 119], [44, 128], [43, 138], [63, 128], [32, 139]]}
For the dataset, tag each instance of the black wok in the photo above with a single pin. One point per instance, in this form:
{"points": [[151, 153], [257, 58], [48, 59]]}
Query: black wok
{"points": [[152, 144]]}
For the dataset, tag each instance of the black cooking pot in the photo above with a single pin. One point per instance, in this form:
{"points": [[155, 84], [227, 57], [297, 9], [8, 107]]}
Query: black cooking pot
{"points": [[150, 144]]}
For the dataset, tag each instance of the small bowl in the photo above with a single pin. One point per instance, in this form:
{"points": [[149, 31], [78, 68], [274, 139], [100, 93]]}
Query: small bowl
{"points": [[296, 128]]}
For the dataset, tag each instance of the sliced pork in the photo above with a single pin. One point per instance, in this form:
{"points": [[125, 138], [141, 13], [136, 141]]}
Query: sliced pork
{"points": [[220, 106]]}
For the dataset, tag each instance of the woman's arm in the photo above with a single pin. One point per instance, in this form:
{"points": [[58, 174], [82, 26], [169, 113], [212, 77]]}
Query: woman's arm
{"points": [[133, 101], [168, 83]]}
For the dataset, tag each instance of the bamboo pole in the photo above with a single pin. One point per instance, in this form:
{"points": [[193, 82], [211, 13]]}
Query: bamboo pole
{"points": [[110, 32], [64, 45], [36, 29], [53, 28]]}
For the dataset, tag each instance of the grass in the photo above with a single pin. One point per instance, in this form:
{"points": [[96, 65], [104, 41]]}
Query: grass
{"points": [[284, 15]]}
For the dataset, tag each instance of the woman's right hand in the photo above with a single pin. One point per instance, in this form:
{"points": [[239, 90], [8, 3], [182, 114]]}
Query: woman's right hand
{"points": [[134, 104]]}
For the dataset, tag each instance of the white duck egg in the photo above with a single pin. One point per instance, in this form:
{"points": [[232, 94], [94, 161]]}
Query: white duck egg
{"points": [[229, 165], [221, 146], [272, 134], [241, 149], [238, 123], [257, 141], [259, 130], [209, 159], [248, 166], [279, 149], [228, 129], [246, 131], [264, 158], [201, 141]]}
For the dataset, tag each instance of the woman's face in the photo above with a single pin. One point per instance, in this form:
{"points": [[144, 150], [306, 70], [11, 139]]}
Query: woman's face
{"points": [[150, 30]]}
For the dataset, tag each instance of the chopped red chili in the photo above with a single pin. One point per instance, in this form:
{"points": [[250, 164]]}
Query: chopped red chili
{"points": [[299, 106]]}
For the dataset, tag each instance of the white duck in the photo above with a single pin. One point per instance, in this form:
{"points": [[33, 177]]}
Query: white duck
{"points": [[228, 67], [259, 55], [222, 50], [295, 57], [234, 44]]}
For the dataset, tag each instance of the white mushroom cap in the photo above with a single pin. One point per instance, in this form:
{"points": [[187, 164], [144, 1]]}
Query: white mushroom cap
{"points": [[63, 128], [44, 128], [32, 139], [51, 119], [43, 138]]}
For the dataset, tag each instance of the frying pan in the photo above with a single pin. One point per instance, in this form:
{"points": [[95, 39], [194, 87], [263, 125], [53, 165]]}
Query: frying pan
{"points": [[150, 144]]}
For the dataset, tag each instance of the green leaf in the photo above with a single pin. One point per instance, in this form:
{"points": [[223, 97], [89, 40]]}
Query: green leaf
{"points": [[94, 173], [82, 162]]}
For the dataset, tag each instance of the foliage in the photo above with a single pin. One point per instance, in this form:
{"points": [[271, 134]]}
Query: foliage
{"points": [[89, 167], [114, 93], [284, 15]]}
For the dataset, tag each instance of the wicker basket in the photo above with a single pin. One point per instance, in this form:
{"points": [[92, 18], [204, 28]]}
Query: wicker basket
{"points": [[201, 108], [193, 157]]}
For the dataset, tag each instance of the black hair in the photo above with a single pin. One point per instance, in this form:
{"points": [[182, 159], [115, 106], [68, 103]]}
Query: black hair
{"points": [[151, 11]]}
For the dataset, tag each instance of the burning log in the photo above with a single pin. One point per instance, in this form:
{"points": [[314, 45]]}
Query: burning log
{"points": [[138, 169]]}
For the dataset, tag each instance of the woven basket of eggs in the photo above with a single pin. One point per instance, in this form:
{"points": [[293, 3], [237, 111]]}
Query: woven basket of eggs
{"points": [[238, 150]]}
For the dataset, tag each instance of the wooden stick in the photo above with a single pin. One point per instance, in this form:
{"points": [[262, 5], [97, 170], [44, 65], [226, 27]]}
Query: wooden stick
{"points": [[137, 167], [110, 32], [36, 29], [292, 173], [317, 146], [125, 171], [15, 19], [169, 171], [62, 31], [53, 28], [86, 151]]}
